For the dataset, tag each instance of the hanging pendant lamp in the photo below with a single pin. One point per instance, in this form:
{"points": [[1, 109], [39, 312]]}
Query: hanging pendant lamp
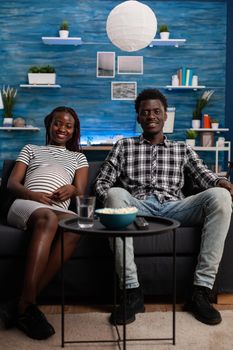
{"points": [[131, 26]]}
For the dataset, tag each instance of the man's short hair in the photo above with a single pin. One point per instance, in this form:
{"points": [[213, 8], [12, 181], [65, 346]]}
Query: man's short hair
{"points": [[150, 94]]}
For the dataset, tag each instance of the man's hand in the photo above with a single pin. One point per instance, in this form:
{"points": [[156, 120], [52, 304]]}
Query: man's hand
{"points": [[227, 185], [63, 193]]}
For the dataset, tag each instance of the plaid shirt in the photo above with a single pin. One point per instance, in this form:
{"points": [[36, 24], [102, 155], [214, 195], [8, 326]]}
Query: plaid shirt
{"points": [[145, 169]]}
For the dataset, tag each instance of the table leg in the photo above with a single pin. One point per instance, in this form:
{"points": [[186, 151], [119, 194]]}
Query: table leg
{"points": [[62, 291], [174, 289], [115, 290], [115, 279], [124, 295]]}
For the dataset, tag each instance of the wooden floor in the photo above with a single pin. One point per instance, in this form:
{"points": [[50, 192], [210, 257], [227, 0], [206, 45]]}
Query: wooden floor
{"points": [[225, 302], [225, 299]]}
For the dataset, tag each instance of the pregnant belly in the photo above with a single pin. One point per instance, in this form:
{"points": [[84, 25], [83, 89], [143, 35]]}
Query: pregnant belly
{"points": [[47, 180]]}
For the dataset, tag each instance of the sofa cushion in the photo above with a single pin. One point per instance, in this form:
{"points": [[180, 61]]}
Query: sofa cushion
{"points": [[94, 168], [7, 197], [187, 242], [14, 241]]}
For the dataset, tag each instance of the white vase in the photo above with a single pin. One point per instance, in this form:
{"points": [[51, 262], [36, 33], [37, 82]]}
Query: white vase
{"points": [[175, 80], [42, 78], [196, 123], [195, 80], [7, 122], [214, 126], [63, 34], [164, 35], [190, 142], [221, 141]]}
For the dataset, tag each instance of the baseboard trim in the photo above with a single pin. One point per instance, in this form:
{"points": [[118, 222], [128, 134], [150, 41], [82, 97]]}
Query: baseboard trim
{"points": [[225, 299]]}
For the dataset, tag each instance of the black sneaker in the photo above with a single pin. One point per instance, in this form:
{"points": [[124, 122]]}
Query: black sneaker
{"points": [[201, 308], [34, 323], [8, 314], [134, 305]]}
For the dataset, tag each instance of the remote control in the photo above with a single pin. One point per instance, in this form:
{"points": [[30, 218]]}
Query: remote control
{"points": [[141, 223]]}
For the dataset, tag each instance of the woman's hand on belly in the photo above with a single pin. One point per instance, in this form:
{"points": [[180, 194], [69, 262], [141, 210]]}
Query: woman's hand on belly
{"points": [[63, 193], [41, 197]]}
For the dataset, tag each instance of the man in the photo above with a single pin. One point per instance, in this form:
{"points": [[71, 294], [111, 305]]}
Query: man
{"points": [[150, 169]]}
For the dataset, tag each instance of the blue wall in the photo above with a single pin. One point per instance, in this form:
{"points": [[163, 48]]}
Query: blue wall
{"points": [[229, 72], [24, 22]]}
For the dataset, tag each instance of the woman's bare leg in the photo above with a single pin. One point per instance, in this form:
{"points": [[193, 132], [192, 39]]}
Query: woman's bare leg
{"points": [[54, 261], [43, 225]]}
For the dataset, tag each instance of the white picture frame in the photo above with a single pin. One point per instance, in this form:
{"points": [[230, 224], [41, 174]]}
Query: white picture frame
{"points": [[207, 139], [130, 65], [123, 90], [105, 64]]}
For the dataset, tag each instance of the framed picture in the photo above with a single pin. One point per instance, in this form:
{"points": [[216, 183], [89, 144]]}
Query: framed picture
{"points": [[124, 90], [105, 65], [207, 139], [130, 65]]}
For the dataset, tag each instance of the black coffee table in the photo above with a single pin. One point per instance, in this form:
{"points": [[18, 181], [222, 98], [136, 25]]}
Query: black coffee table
{"points": [[157, 225]]}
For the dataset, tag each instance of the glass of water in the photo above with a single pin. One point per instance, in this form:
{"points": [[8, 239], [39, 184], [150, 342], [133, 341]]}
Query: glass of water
{"points": [[85, 211]]}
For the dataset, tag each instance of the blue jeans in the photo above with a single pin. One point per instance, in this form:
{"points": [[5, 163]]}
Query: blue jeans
{"points": [[210, 209]]}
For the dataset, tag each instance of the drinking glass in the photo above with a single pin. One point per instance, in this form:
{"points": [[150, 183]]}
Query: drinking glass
{"points": [[85, 211]]}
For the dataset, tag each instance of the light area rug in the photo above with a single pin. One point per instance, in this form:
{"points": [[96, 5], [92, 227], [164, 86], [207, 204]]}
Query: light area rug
{"points": [[190, 334]]}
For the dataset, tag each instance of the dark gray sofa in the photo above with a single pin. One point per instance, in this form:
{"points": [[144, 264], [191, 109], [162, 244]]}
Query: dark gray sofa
{"points": [[89, 273]]}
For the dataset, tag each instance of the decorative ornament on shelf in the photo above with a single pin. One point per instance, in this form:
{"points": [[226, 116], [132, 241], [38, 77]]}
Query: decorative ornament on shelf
{"points": [[30, 123], [131, 26], [19, 122], [200, 105], [8, 99], [164, 32], [64, 30]]}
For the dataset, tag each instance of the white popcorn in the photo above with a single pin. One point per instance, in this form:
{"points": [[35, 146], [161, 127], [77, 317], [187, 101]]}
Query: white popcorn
{"points": [[126, 210]]}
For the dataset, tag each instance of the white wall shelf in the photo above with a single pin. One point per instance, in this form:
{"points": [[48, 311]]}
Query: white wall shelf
{"points": [[61, 41], [54, 86], [212, 148], [210, 129], [182, 87], [217, 149], [168, 42], [15, 128]]}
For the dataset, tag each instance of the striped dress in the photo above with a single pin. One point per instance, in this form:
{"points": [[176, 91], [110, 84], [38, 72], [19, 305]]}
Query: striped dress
{"points": [[48, 168]]}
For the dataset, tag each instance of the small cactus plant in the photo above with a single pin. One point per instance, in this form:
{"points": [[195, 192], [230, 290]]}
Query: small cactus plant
{"points": [[191, 134], [41, 69], [163, 28], [64, 25]]}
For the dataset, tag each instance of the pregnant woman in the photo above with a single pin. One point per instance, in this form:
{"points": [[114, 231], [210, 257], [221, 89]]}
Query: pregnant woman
{"points": [[44, 180]]}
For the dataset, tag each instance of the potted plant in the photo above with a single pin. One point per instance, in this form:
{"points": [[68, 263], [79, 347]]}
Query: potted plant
{"points": [[214, 124], [64, 30], [42, 75], [164, 32], [190, 137], [200, 104], [8, 99]]}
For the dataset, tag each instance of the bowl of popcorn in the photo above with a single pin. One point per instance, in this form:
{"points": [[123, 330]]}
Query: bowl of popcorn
{"points": [[117, 218]]}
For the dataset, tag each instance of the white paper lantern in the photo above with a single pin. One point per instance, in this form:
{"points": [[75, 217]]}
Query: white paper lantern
{"points": [[131, 26]]}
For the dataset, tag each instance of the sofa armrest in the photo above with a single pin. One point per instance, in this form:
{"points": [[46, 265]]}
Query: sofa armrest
{"points": [[7, 197], [190, 187]]}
